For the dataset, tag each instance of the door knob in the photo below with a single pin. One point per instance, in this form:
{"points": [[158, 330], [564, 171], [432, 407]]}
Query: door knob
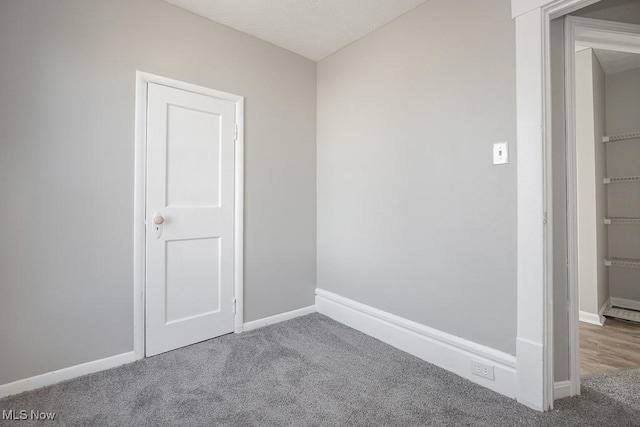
{"points": [[158, 220]]}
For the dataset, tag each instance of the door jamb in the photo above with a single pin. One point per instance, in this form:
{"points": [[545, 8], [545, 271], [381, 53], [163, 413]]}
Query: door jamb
{"points": [[600, 34], [139, 210]]}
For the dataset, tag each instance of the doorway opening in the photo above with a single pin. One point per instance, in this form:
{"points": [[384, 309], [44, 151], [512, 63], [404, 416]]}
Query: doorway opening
{"points": [[596, 174], [607, 147]]}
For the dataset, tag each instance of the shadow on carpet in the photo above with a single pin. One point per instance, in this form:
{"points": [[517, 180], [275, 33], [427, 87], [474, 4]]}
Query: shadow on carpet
{"points": [[309, 371]]}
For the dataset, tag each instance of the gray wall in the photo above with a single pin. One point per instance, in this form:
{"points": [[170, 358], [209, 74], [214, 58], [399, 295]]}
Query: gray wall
{"points": [[623, 158], [413, 218], [66, 168]]}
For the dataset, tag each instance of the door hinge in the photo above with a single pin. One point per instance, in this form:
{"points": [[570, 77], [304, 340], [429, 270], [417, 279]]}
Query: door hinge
{"points": [[235, 132], [233, 306]]}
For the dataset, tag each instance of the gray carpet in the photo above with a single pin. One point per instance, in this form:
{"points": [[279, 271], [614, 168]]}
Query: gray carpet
{"points": [[309, 371]]}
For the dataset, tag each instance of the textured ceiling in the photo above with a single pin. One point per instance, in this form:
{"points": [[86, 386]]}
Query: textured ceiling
{"points": [[616, 62], [312, 28]]}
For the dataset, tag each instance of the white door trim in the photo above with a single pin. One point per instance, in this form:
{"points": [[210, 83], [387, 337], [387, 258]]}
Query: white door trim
{"points": [[139, 214], [597, 34], [534, 341]]}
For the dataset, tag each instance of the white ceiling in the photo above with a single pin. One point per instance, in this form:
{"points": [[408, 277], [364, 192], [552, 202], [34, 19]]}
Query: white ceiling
{"points": [[312, 28], [616, 62]]}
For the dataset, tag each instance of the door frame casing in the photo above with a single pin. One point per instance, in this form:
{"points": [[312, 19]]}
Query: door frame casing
{"points": [[139, 210], [534, 340], [595, 34]]}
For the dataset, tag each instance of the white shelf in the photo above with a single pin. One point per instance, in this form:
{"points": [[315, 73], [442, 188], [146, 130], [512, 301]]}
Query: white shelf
{"points": [[621, 137], [622, 220], [622, 262], [621, 179]]}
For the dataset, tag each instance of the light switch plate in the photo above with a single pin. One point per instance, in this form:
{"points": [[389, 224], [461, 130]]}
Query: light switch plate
{"points": [[500, 153]]}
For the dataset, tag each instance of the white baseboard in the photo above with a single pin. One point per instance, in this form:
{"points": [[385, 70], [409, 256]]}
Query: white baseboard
{"points": [[278, 318], [561, 389], [594, 319], [447, 351], [54, 377], [625, 303]]}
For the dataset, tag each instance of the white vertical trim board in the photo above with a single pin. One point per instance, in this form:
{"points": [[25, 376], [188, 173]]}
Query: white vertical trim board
{"points": [[572, 211], [532, 342], [139, 220], [54, 377], [239, 217], [255, 324], [447, 351], [139, 214]]}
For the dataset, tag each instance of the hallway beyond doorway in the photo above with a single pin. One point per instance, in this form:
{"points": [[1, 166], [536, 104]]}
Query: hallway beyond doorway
{"points": [[612, 347]]}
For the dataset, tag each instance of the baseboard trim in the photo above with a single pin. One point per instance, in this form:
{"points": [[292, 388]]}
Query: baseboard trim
{"points": [[447, 351], [625, 303], [531, 387], [597, 319], [591, 318], [561, 389], [71, 372], [260, 323]]}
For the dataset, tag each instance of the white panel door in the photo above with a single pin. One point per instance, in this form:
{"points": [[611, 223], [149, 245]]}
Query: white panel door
{"points": [[190, 179]]}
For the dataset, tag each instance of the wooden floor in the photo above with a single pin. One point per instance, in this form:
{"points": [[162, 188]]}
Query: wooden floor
{"points": [[611, 347]]}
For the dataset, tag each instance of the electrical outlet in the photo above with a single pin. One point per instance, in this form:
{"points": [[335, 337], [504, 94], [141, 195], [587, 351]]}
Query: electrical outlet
{"points": [[482, 370]]}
